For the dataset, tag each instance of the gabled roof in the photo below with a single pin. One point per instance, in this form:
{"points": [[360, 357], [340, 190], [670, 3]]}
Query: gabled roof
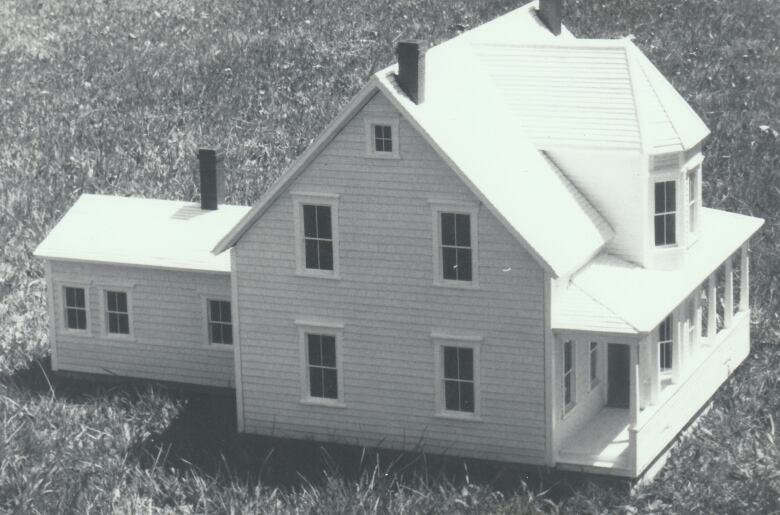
{"points": [[609, 289], [141, 232], [590, 93], [486, 148]]}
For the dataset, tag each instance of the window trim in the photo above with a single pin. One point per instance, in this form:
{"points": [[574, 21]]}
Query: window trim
{"points": [[441, 340], [204, 301], [371, 152], [677, 236], [568, 407], [320, 199], [63, 317], [594, 381], [328, 328], [443, 206], [105, 333]]}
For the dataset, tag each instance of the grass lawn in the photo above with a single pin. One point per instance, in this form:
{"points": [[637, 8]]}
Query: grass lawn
{"points": [[115, 96]]}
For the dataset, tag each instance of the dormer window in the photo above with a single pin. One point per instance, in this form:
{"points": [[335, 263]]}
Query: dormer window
{"points": [[665, 218], [382, 138]]}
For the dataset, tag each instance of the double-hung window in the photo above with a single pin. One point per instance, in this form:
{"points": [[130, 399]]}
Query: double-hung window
{"points": [[665, 340], [220, 324], [456, 249], [318, 237], [594, 364], [568, 375], [321, 366], [75, 308], [316, 234], [458, 379], [117, 313], [665, 217]]}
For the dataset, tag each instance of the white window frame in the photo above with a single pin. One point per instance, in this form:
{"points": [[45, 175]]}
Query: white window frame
{"points": [[593, 348], [205, 298], [441, 340], [318, 199], [443, 206], [677, 223], [666, 372], [328, 328], [63, 316], [127, 290], [371, 152], [567, 407]]}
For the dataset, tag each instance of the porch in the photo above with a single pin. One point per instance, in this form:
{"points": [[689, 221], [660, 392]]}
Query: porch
{"points": [[669, 381]]}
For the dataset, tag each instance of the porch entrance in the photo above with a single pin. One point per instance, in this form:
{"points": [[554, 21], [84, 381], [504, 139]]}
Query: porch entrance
{"points": [[618, 378]]}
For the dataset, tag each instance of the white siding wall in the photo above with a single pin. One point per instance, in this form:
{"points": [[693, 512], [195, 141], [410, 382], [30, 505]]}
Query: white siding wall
{"points": [[389, 307], [615, 184], [167, 318]]}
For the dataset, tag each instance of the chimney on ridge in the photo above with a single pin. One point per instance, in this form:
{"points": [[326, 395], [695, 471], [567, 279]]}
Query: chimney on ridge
{"points": [[212, 178], [411, 68], [551, 13]]}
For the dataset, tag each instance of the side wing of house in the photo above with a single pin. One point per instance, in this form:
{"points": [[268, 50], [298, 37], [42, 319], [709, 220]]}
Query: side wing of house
{"points": [[139, 322], [455, 364]]}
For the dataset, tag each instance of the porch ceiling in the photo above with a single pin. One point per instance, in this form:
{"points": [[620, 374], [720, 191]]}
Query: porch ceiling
{"points": [[642, 298]]}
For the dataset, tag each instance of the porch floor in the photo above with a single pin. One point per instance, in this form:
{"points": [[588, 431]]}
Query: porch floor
{"points": [[601, 445]]}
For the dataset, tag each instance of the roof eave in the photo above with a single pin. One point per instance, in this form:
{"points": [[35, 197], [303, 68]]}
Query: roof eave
{"points": [[317, 146]]}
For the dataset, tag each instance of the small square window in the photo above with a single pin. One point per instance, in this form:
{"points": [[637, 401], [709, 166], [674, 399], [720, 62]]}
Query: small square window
{"points": [[382, 138]]}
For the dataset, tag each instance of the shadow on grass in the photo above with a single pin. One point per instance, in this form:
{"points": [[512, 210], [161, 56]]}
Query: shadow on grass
{"points": [[203, 436]]}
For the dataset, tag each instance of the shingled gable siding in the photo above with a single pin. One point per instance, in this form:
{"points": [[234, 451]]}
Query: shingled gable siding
{"points": [[389, 306], [614, 184], [168, 341]]}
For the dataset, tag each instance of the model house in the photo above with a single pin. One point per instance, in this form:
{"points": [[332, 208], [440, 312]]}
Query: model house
{"points": [[498, 249]]}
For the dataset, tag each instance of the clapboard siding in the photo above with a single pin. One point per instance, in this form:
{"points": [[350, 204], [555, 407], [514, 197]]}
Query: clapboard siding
{"points": [[623, 202], [389, 306], [168, 341]]}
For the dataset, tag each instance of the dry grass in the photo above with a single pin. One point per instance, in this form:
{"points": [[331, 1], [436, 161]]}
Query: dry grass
{"points": [[114, 97]]}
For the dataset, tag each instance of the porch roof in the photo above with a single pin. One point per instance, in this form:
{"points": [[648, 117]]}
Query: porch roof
{"points": [[642, 298]]}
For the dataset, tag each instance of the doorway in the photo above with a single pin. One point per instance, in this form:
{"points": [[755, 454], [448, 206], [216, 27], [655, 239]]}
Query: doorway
{"points": [[618, 375]]}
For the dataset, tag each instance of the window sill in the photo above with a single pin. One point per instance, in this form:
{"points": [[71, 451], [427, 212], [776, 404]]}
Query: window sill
{"points": [[120, 338], [457, 415], [666, 248], [382, 155], [326, 403], [456, 285], [333, 276], [76, 332], [220, 347]]}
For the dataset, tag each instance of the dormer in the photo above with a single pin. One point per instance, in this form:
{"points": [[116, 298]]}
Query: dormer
{"points": [[674, 185]]}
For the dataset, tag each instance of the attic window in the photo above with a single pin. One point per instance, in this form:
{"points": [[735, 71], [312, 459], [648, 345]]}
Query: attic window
{"points": [[382, 138]]}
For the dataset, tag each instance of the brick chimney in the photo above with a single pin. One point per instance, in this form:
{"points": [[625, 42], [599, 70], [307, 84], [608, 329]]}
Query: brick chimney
{"points": [[212, 178], [551, 14], [411, 68]]}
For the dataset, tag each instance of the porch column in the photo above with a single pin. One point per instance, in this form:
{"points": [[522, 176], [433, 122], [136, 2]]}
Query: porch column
{"points": [[655, 366], [696, 320], [712, 306], [634, 386], [728, 305], [744, 279]]}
